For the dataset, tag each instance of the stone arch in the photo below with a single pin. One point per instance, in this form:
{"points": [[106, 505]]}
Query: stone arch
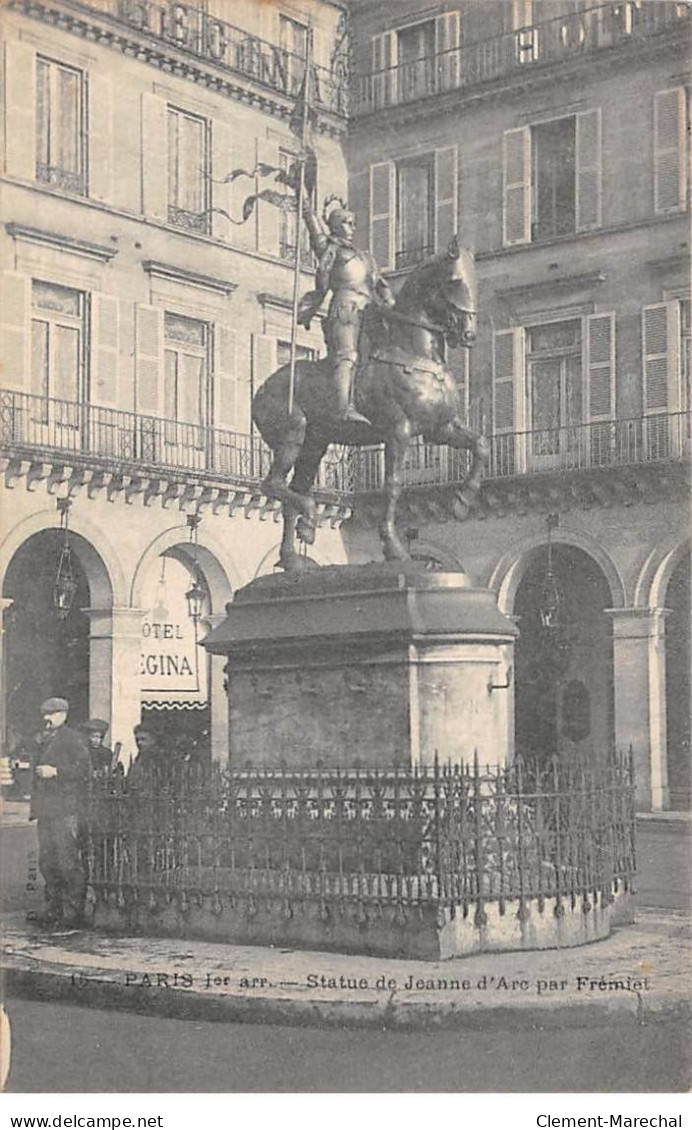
{"points": [[219, 570], [652, 582], [96, 554], [509, 571], [424, 548]]}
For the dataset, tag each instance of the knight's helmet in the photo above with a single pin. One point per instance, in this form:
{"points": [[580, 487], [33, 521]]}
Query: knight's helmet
{"points": [[334, 210]]}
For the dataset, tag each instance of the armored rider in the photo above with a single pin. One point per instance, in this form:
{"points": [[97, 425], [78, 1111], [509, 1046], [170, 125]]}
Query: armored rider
{"points": [[355, 282]]}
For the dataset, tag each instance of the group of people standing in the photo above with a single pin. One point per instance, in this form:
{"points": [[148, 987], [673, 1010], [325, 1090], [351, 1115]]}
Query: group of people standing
{"points": [[64, 761]]}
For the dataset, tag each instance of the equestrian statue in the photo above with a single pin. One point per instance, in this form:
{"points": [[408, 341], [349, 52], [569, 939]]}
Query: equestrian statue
{"points": [[384, 380]]}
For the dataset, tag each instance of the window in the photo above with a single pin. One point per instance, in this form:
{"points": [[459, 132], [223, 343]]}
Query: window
{"points": [[413, 207], [187, 393], [60, 126], [293, 40], [289, 219], [57, 351], [554, 354], [188, 169], [686, 358], [416, 58], [552, 178], [415, 233], [670, 145], [283, 353], [553, 181]]}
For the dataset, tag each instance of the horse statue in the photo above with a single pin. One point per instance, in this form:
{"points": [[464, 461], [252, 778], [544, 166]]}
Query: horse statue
{"points": [[402, 387]]}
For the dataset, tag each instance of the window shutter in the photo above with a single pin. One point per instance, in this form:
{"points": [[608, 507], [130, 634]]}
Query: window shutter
{"points": [[268, 215], [322, 58], [508, 381], [446, 191], [599, 367], [264, 361], [661, 358], [589, 170], [447, 39], [20, 110], [384, 76], [100, 143], [670, 170], [226, 405], [105, 351], [516, 210], [382, 194], [149, 360], [154, 157], [15, 317], [221, 166]]}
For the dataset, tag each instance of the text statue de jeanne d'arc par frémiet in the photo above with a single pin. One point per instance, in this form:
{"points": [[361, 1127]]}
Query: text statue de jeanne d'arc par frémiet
{"points": [[384, 380]]}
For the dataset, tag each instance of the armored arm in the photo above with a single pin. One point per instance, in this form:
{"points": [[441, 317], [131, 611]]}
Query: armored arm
{"points": [[318, 237]]}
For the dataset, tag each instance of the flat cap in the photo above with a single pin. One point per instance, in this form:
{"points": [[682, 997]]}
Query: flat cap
{"points": [[95, 726], [55, 706]]}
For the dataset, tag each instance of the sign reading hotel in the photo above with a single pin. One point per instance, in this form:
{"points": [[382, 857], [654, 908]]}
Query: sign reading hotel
{"points": [[173, 668]]}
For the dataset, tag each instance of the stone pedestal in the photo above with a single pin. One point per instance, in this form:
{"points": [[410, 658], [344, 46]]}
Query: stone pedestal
{"points": [[373, 664]]}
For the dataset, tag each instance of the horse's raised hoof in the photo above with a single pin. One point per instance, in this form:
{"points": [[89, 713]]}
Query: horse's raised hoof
{"points": [[467, 495], [305, 529], [293, 562]]}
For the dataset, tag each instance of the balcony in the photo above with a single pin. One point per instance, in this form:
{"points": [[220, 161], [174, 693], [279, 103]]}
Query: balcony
{"points": [[585, 447], [62, 432], [52, 433], [197, 33], [553, 41]]}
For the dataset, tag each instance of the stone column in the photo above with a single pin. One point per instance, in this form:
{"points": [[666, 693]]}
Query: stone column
{"points": [[218, 695], [5, 604], [639, 677], [115, 644]]}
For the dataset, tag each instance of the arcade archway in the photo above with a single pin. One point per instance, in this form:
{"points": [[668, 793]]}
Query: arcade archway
{"points": [[564, 676]]}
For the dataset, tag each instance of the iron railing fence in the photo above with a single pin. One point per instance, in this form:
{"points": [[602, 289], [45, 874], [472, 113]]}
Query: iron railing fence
{"points": [[551, 41], [199, 33], [451, 836], [111, 437]]}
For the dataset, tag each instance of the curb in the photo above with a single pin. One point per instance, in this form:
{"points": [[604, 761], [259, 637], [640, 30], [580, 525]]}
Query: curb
{"points": [[104, 991]]}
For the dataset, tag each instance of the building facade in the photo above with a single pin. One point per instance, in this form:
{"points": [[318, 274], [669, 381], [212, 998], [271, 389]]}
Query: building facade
{"points": [[139, 317], [554, 138]]}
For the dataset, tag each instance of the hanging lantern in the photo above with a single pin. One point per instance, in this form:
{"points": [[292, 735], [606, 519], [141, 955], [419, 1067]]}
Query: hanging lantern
{"points": [[195, 595], [195, 600], [549, 605], [65, 584]]}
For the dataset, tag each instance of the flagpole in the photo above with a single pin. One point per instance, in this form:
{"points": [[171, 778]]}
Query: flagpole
{"points": [[299, 220]]}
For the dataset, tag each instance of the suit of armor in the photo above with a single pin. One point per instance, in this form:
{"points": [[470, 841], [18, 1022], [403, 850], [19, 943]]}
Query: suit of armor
{"points": [[355, 282]]}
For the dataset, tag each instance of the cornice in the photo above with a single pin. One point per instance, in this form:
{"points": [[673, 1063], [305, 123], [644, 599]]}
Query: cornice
{"points": [[95, 251], [105, 30], [278, 302], [565, 282], [190, 278]]}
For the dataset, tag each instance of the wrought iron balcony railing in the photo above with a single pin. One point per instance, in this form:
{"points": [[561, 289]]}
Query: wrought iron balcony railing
{"points": [[197, 32], [111, 438], [66, 179], [410, 256], [108, 438], [563, 37], [580, 447]]}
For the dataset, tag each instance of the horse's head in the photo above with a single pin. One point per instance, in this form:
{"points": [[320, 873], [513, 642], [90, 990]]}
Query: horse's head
{"points": [[444, 290]]}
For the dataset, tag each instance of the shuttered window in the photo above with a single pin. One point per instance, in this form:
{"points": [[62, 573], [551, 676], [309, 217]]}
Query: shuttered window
{"points": [[57, 344], [186, 379], [670, 146], [516, 206], [509, 400], [188, 170], [60, 141], [599, 396], [382, 213]]}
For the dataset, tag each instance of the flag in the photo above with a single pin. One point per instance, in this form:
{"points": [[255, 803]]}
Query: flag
{"points": [[304, 116]]}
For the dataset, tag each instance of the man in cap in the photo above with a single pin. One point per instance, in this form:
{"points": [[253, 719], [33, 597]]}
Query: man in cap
{"points": [[100, 754], [61, 774]]}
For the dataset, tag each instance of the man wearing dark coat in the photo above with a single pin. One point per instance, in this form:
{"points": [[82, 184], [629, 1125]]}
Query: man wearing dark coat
{"points": [[61, 775]]}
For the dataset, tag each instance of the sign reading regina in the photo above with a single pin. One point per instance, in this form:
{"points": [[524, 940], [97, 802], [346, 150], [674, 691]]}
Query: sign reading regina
{"points": [[173, 669]]}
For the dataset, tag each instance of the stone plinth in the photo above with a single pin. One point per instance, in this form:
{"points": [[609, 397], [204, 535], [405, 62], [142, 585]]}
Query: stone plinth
{"points": [[370, 664]]}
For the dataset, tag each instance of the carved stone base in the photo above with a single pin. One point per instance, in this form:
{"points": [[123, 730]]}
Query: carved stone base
{"points": [[377, 665]]}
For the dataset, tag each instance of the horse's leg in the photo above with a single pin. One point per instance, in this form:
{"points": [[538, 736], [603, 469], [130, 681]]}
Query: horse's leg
{"points": [[304, 475], [285, 455], [457, 435], [395, 448]]}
